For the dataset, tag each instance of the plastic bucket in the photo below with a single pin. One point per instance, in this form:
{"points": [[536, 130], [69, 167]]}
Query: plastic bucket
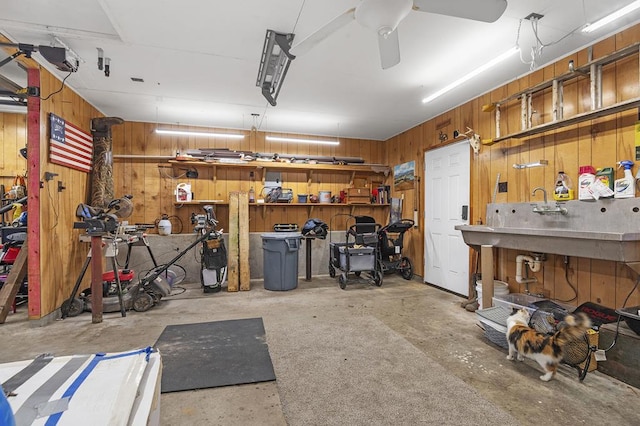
{"points": [[499, 288], [324, 197], [302, 198]]}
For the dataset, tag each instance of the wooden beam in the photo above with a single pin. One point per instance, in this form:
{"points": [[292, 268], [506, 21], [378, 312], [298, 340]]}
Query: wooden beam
{"points": [[233, 276], [96, 279], [486, 262], [33, 191], [243, 219], [14, 280]]}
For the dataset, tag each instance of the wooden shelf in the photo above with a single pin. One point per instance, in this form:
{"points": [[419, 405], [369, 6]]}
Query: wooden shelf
{"points": [[309, 169], [619, 107], [199, 203], [272, 165], [318, 204], [311, 206], [223, 203]]}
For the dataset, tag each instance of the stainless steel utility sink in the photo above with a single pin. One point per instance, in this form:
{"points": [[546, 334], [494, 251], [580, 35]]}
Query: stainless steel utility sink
{"points": [[606, 229]]}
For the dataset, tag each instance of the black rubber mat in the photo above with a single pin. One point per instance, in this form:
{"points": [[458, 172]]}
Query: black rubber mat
{"points": [[213, 354]]}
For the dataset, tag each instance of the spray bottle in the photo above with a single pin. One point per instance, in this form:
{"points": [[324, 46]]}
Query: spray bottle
{"points": [[587, 175], [164, 225], [625, 187]]}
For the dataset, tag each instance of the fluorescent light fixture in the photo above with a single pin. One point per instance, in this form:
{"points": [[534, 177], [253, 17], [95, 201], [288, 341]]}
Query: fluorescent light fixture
{"points": [[296, 140], [610, 18], [204, 134], [274, 64], [472, 74]]}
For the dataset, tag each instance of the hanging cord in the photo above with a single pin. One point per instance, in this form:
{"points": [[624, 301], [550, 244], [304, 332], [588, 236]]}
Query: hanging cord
{"points": [[566, 277], [176, 224], [536, 50], [164, 174], [53, 206], [60, 89], [615, 337], [298, 17], [593, 348]]}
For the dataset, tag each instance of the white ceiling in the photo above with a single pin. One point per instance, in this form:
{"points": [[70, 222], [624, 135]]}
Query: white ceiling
{"points": [[199, 59]]}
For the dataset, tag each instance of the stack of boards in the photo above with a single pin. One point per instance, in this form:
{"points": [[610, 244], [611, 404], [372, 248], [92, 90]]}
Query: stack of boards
{"points": [[238, 272]]}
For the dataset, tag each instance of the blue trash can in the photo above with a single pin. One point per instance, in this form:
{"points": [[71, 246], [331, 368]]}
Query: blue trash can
{"points": [[280, 251]]}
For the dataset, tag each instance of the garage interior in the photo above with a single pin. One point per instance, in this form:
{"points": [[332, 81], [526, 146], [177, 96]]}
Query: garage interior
{"points": [[178, 123]]}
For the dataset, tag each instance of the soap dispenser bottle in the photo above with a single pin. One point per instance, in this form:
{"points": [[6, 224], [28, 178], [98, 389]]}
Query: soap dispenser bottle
{"points": [[625, 187], [564, 189]]}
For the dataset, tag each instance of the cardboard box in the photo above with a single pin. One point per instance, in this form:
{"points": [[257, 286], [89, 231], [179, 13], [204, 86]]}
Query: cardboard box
{"points": [[593, 337]]}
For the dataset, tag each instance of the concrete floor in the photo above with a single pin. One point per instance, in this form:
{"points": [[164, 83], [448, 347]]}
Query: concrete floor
{"points": [[363, 355]]}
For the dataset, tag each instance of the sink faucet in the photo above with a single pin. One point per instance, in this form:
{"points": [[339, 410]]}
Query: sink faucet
{"points": [[544, 192], [546, 209]]}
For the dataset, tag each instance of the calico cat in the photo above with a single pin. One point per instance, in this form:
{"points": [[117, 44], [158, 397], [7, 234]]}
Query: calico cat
{"points": [[546, 350]]}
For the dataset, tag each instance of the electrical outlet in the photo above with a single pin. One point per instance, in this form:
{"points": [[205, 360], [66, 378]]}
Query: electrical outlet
{"points": [[502, 187]]}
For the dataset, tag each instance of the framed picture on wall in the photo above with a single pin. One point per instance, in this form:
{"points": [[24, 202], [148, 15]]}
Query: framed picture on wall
{"points": [[396, 210], [404, 176]]}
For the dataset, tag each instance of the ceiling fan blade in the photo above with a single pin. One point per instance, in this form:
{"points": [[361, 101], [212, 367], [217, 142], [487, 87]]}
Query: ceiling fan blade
{"points": [[477, 10], [389, 47], [332, 26]]}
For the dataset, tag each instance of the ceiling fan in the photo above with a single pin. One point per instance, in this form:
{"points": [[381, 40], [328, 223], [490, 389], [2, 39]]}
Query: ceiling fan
{"points": [[384, 16]]}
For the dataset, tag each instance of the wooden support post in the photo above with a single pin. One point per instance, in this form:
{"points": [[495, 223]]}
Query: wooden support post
{"points": [[307, 276], [523, 112], [233, 276], [96, 279], [14, 280], [486, 256], [243, 243], [497, 121], [555, 114], [33, 189]]}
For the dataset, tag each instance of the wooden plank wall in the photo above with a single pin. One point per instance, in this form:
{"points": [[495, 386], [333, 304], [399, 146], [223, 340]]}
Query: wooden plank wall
{"points": [[601, 143], [13, 137], [61, 253], [152, 182]]}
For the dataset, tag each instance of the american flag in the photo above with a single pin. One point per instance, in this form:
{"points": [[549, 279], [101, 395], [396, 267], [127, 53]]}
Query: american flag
{"points": [[69, 145]]}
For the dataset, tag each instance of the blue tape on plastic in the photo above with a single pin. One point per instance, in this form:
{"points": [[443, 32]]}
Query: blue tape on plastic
{"points": [[55, 418]]}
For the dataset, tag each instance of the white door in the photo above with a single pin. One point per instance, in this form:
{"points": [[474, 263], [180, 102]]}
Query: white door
{"points": [[446, 175]]}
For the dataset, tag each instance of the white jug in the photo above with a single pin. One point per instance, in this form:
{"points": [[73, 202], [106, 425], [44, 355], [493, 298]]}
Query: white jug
{"points": [[164, 225], [183, 193]]}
